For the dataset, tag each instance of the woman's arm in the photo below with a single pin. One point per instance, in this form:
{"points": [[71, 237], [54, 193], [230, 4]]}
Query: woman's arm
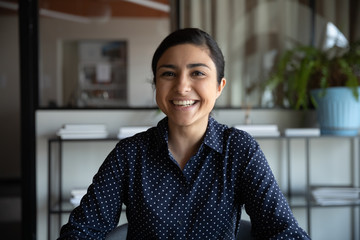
{"points": [[100, 208], [270, 214]]}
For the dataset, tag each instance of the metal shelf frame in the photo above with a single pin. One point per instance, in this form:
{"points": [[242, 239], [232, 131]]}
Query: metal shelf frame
{"points": [[59, 205]]}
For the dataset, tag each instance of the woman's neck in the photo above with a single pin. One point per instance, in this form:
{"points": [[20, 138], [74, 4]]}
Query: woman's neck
{"points": [[184, 142]]}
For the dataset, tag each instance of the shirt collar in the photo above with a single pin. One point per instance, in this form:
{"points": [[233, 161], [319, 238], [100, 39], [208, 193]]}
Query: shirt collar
{"points": [[163, 132], [213, 136]]}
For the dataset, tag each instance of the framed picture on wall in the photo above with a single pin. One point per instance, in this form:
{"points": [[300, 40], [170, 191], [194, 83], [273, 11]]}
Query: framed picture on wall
{"points": [[95, 73]]}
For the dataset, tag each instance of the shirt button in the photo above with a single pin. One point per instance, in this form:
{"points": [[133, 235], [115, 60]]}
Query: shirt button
{"points": [[180, 222]]}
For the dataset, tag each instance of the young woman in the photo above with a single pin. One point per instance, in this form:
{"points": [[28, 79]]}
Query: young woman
{"points": [[190, 176]]}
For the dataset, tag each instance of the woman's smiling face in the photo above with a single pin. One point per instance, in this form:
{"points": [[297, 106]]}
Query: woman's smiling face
{"points": [[186, 84]]}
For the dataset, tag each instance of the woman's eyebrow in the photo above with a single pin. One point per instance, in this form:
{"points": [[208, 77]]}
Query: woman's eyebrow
{"points": [[189, 66], [167, 66], [193, 65]]}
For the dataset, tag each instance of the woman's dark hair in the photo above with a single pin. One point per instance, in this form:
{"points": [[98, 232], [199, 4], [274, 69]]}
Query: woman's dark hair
{"points": [[192, 36]]}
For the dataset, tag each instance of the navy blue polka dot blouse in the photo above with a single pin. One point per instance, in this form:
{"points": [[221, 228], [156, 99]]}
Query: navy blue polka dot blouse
{"points": [[202, 201]]}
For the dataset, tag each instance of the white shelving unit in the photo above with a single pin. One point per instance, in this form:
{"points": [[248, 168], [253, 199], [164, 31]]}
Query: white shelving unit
{"points": [[302, 201]]}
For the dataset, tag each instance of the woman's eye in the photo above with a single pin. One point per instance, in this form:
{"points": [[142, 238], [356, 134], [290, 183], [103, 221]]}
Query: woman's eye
{"points": [[168, 74], [198, 73]]}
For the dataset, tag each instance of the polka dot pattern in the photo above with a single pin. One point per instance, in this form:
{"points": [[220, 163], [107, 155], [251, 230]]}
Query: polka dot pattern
{"points": [[202, 201]]}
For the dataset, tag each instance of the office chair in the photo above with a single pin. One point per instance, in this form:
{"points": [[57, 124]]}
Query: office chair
{"points": [[120, 232]]}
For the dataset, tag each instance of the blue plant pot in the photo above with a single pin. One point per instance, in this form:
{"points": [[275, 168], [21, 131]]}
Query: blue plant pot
{"points": [[338, 111]]}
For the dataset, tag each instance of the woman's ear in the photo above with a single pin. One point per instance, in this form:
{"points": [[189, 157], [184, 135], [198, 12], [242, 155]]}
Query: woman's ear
{"points": [[221, 87]]}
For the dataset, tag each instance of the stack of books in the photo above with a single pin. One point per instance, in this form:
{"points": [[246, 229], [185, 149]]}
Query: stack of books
{"points": [[83, 131], [267, 130], [302, 132], [125, 132], [76, 196], [336, 195]]}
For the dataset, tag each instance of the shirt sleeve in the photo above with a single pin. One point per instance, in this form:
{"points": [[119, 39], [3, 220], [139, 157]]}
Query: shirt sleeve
{"points": [[270, 214], [100, 208]]}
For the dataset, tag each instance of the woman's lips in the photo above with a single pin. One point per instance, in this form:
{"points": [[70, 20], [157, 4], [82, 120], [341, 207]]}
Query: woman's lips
{"points": [[183, 103]]}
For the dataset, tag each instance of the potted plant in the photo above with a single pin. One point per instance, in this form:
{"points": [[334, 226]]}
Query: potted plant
{"points": [[306, 76]]}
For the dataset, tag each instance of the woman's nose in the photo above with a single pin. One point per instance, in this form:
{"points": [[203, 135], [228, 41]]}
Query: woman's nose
{"points": [[183, 84]]}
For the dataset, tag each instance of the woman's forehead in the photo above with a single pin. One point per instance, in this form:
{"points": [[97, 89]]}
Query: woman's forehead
{"points": [[186, 52]]}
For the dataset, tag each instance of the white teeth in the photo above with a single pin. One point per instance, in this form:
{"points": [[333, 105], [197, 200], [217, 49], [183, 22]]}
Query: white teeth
{"points": [[184, 103]]}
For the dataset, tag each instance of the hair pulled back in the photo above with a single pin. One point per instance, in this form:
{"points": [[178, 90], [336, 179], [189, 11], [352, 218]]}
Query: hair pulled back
{"points": [[191, 36]]}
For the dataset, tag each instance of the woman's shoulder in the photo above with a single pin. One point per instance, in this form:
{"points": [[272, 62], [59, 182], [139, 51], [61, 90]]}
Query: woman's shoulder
{"points": [[239, 137], [141, 138], [227, 129], [230, 136], [235, 133]]}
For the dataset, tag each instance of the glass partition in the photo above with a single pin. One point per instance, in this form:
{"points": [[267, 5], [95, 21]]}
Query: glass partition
{"points": [[251, 33], [254, 33], [97, 54]]}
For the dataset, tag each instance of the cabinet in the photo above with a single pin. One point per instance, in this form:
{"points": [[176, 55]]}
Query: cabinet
{"points": [[305, 167], [325, 162]]}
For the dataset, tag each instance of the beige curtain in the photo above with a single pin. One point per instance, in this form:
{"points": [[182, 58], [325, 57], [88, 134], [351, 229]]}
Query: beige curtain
{"points": [[252, 33]]}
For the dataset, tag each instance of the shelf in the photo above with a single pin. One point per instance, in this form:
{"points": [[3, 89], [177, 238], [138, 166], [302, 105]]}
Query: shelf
{"points": [[305, 137], [301, 200], [297, 201], [67, 207], [98, 102], [103, 86], [64, 207], [294, 202], [58, 139]]}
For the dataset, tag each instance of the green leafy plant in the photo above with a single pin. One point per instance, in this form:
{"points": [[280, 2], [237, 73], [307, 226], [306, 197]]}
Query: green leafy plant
{"points": [[305, 67]]}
